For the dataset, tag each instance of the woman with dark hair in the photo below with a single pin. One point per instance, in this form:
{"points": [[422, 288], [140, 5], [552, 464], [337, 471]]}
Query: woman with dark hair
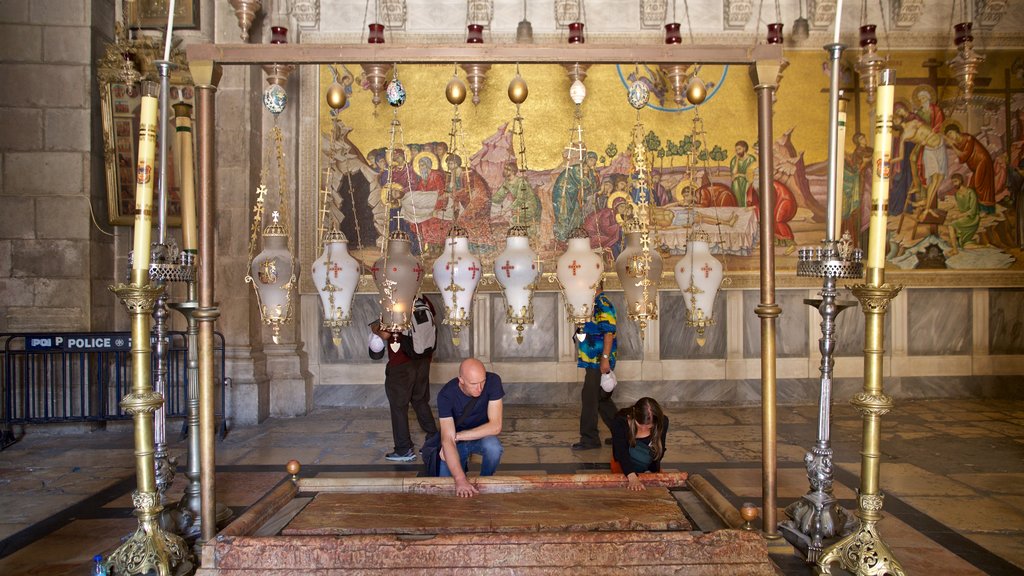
{"points": [[638, 440]]}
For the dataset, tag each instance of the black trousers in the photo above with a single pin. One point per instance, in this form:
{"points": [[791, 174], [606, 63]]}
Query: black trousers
{"points": [[406, 384], [595, 402]]}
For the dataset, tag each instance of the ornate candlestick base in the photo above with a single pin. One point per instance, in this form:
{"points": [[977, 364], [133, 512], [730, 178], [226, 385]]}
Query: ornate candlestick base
{"points": [[150, 548], [863, 551]]}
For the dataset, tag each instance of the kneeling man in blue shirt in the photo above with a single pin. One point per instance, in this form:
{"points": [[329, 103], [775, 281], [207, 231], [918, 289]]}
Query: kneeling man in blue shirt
{"points": [[477, 431]]}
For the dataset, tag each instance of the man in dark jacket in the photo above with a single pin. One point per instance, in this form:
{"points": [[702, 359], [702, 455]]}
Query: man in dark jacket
{"points": [[406, 381]]}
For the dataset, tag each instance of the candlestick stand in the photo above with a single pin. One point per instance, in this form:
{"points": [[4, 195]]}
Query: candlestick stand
{"points": [[817, 516], [190, 506], [864, 551], [150, 548]]}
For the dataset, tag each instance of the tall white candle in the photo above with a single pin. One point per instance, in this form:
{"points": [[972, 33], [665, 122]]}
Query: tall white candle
{"points": [[186, 175], [839, 13], [170, 28], [880, 173], [144, 189], [837, 219]]}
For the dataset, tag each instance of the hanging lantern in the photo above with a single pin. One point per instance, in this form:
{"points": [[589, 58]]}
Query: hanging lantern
{"points": [[376, 76], [516, 269], [397, 275], [475, 75], [869, 65], [964, 65], [335, 275], [457, 272], [639, 270], [272, 275], [699, 275], [579, 270]]}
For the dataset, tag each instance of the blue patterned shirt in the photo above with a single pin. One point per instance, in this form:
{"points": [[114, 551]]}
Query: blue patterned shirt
{"points": [[603, 322]]}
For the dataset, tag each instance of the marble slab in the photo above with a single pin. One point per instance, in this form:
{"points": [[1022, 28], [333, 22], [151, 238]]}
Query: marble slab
{"points": [[938, 322], [719, 553], [530, 511], [1006, 321]]}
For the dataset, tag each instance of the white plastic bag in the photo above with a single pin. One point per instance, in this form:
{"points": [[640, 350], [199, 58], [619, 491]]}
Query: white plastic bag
{"points": [[376, 344], [608, 381]]}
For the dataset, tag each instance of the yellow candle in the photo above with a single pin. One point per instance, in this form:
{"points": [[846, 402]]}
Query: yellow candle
{"points": [[183, 154], [837, 219], [880, 173], [144, 188]]}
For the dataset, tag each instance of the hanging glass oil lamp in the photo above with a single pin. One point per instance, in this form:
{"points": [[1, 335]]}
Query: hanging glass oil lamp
{"points": [[335, 276], [457, 273], [699, 276]]}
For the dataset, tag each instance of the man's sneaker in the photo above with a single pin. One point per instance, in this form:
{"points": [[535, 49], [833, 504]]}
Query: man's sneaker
{"points": [[407, 456]]}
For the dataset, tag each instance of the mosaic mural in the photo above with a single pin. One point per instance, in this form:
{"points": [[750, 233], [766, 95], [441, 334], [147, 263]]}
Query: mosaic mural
{"points": [[955, 194]]}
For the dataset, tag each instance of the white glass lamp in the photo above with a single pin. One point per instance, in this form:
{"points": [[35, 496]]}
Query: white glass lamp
{"points": [[579, 270], [272, 275], [457, 271], [699, 275], [516, 269], [397, 275], [335, 275], [639, 270]]}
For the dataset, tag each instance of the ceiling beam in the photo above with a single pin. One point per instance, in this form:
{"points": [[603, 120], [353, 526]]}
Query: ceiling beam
{"points": [[490, 53]]}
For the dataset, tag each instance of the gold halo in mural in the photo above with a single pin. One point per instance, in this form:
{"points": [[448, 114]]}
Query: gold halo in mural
{"points": [[434, 163]]}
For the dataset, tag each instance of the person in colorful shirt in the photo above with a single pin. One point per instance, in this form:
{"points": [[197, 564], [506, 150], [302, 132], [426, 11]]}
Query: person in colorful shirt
{"points": [[596, 354]]}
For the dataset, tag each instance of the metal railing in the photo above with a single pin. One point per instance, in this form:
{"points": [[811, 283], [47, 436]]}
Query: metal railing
{"points": [[81, 377]]}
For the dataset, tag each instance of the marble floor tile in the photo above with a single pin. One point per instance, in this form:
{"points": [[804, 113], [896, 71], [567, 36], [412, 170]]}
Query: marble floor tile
{"points": [[694, 453], [729, 433], [790, 483], [1008, 546], [910, 480], [967, 514], [1008, 483], [544, 424], [78, 542]]}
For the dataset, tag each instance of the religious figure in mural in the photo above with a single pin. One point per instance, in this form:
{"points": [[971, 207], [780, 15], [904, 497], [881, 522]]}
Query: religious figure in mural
{"points": [[927, 109], [856, 187], [569, 194], [433, 227], [515, 201], [930, 159], [742, 168], [964, 218], [602, 225], [901, 175], [973, 154], [473, 198]]}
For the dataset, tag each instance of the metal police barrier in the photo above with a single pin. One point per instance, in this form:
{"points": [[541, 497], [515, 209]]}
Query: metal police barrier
{"points": [[81, 377]]}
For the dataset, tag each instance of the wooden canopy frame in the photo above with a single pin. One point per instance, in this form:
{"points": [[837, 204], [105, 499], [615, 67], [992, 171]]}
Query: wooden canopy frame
{"points": [[205, 61]]}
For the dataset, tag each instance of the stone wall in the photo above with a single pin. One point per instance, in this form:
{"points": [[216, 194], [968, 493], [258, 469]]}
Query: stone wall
{"points": [[55, 263]]}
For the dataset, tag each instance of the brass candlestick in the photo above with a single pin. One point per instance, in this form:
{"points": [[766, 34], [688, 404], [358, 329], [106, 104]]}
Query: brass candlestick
{"points": [[150, 548]]}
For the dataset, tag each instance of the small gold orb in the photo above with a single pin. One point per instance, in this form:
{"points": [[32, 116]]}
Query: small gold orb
{"points": [[336, 97], [455, 92], [293, 467], [518, 90], [697, 91]]}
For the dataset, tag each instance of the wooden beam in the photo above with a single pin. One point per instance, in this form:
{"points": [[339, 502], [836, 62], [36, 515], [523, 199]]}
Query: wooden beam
{"points": [[490, 53]]}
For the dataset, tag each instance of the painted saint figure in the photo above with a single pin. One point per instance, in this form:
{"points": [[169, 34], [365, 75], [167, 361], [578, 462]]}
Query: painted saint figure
{"points": [[974, 155], [569, 194], [964, 219], [515, 201], [742, 168]]}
